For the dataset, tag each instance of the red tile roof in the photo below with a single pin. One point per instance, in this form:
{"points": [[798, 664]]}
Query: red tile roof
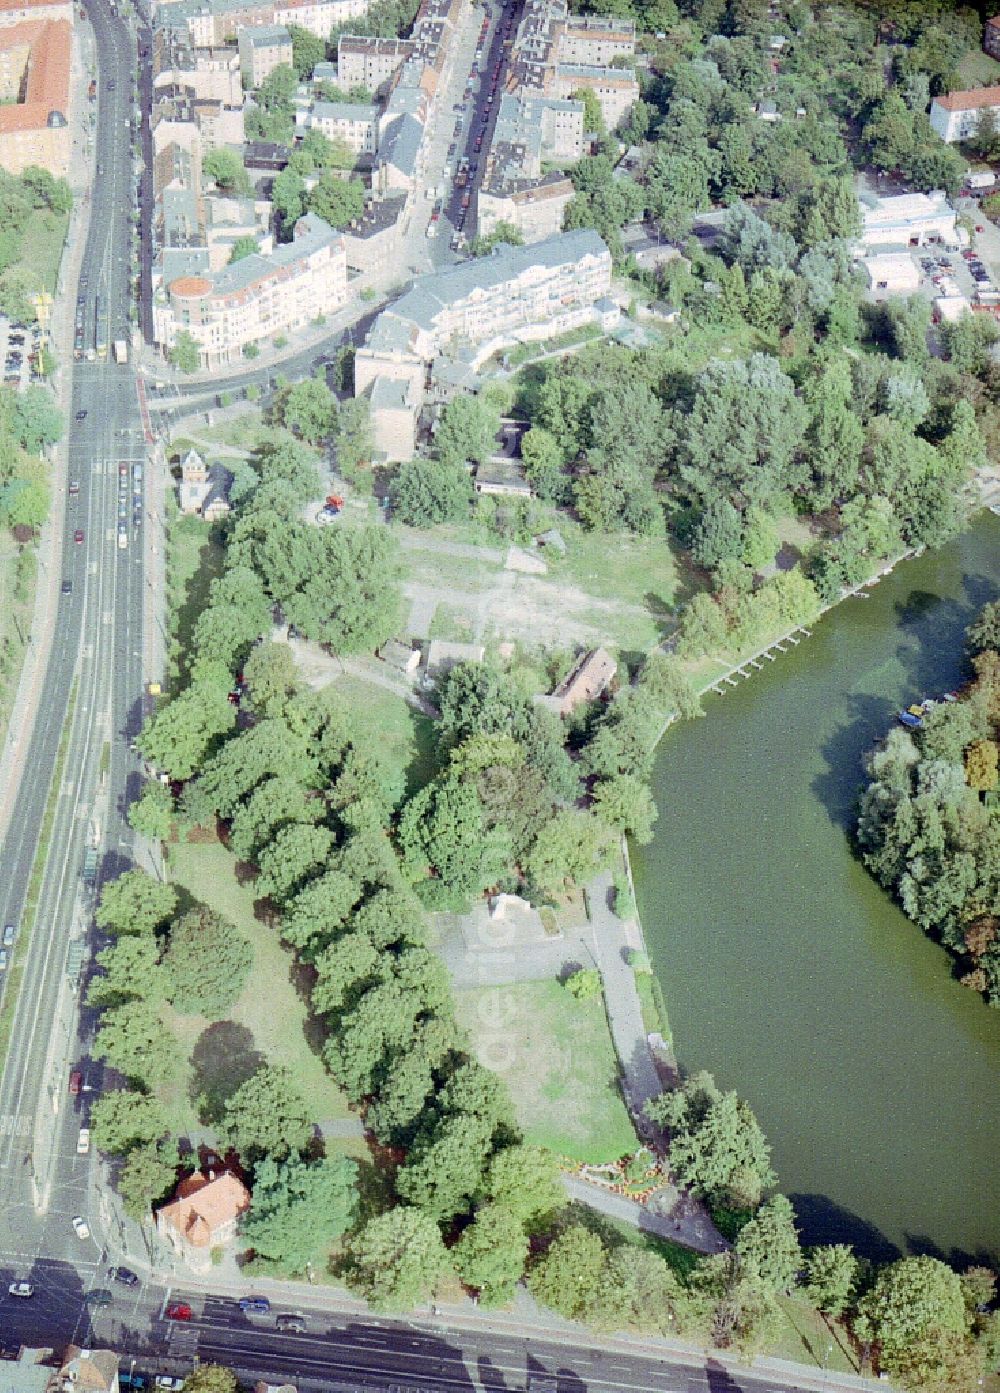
{"points": [[974, 100], [47, 87]]}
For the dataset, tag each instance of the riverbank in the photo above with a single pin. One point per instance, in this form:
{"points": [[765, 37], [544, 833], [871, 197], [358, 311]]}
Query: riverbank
{"points": [[750, 879]]}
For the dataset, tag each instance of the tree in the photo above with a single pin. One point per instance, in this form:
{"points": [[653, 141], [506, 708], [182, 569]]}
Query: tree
{"points": [[267, 1116], [186, 352], [352, 434], [271, 678], [122, 1120], [148, 1176], [718, 538], [152, 814], [593, 116], [211, 1378], [35, 418], [350, 598], [544, 464], [226, 168], [207, 963], [300, 1208], [491, 1254], [242, 248], [572, 1275], [445, 1166], [981, 760], [133, 1040], [584, 983], [337, 201], [135, 903], [752, 243], [288, 196], [397, 1259], [626, 804], [568, 848], [467, 431], [179, 737], [130, 971], [426, 492], [911, 1300], [309, 409], [295, 852], [504, 234], [768, 1246], [716, 1144], [831, 1277], [24, 502], [524, 1180], [307, 50]]}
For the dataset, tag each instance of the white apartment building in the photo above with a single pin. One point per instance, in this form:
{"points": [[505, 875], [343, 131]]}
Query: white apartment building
{"points": [[617, 89], [518, 293], [595, 39], [369, 62], [954, 115], [257, 297], [353, 123], [262, 48]]}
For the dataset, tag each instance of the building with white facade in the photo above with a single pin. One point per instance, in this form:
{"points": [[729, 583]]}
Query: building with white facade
{"points": [[354, 124], [558, 54], [892, 273], [262, 48], [954, 115], [518, 293], [907, 220], [257, 297]]}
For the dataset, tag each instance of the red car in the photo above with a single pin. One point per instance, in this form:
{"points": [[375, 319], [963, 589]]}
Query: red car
{"points": [[78, 536], [75, 1081], [979, 227], [178, 1310]]}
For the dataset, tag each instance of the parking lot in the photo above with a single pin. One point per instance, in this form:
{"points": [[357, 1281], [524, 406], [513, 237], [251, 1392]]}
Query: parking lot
{"points": [[17, 344]]}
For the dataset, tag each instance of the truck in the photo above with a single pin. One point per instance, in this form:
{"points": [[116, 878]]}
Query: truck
{"points": [[74, 961], [121, 351]]}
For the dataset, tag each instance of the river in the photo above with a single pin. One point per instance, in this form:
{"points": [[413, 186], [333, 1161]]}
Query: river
{"points": [[787, 972]]}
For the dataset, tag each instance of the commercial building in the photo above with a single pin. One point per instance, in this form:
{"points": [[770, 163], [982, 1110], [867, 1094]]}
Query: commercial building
{"points": [[893, 273], [518, 293], [907, 220], [954, 115], [260, 296], [35, 64], [263, 48]]}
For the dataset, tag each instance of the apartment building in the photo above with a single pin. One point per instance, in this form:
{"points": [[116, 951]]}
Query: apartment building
{"points": [[18, 11], [518, 293], [263, 48], [210, 74], [954, 114], [549, 129], [226, 220], [991, 37], [557, 54], [355, 124], [212, 22], [370, 62], [530, 132], [255, 298], [536, 207], [35, 62]]}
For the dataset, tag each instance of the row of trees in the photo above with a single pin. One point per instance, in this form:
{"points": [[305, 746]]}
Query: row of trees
{"points": [[30, 421], [929, 823], [34, 192]]}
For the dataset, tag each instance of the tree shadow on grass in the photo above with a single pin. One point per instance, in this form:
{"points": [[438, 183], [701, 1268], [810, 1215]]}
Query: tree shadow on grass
{"points": [[224, 1057]]}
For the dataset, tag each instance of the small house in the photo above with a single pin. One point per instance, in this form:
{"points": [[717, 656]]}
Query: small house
{"points": [[504, 478], [587, 680], [402, 656], [203, 1215], [204, 490]]}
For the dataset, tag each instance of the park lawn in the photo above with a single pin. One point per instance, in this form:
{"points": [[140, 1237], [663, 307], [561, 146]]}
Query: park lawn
{"points": [[809, 1339], [270, 1006], [194, 559], [636, 570], [42, 246], [18, 574], [558, 1063], [403, 736], [978, 69]]}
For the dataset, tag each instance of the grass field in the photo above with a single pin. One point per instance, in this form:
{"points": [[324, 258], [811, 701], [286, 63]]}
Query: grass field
{"points": [[556, 1056], [269, 1021], [18, 574], [978, 69], [42, 245], [194, 559], [403, 736]]}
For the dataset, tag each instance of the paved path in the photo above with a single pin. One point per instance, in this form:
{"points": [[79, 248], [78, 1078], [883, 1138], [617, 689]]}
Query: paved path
{"points": [[417, 541], [676, 1216], [641, 1081]]}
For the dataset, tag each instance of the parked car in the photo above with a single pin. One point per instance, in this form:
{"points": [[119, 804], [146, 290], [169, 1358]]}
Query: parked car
{"points": [[177, 1310], [80, 1226], [4, 959], [291, 1322], [67, 587], [99, 1296], [81, 415], [168, 1384], [74, 488], [125, 1275], [254, 1305], [8, 935], [21, 1289], [78, 536], [83, 1142]]}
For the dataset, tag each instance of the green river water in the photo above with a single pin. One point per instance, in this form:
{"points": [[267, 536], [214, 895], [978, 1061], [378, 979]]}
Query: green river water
{"points": [[787, 971]]}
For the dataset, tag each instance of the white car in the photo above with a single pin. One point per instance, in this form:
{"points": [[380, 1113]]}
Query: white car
{"points": [[83, 1142], [23, 1289], [168, 1384], [80, 1227]]}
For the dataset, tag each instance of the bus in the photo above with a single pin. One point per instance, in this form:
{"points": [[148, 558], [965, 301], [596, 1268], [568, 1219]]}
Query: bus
{"points": [[101, 326]]}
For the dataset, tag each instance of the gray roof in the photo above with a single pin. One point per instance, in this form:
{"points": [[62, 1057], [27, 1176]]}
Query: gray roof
{"points": [[264, 35], [401, 146], [343, 111], [594, 70], [311, 233], [432, 293], [183, 261], [389, 394], [324, 72]]}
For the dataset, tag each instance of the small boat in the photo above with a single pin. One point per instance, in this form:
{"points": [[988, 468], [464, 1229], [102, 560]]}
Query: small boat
{"points": [[910, 721], [950, 696]]}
